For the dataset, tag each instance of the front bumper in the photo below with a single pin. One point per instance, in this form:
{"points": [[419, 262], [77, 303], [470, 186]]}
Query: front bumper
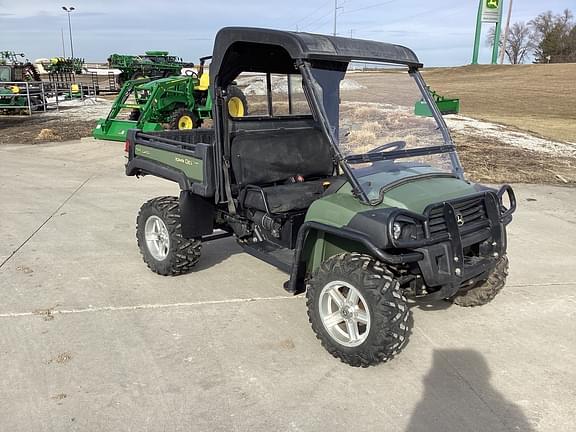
{"points": [[456, 254]]}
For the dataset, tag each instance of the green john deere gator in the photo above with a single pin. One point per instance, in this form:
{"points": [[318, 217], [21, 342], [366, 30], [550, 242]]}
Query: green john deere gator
{"points": [[363, 204]]}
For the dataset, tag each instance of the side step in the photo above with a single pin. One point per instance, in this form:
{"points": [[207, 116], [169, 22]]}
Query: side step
{"points": [[279, 257]]}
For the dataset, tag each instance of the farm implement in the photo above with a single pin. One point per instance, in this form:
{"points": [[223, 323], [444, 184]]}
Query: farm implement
{"points": [[445, 105]]}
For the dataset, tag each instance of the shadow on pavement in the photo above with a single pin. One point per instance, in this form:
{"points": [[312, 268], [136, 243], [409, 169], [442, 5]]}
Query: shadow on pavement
{"points": [[458, 396], [217, 251]]}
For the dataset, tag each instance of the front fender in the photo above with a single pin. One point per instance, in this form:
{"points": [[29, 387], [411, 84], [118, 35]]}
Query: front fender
{"points": [[317, 242]]}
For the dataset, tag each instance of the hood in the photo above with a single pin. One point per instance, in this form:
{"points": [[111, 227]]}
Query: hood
{"points": [[340, 207]]}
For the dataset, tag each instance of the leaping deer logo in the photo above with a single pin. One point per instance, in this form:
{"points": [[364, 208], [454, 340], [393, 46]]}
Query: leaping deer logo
{"points": [[492, 4]]}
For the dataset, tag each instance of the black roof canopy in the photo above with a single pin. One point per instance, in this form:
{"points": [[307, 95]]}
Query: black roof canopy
{"points": [[245, 49]]}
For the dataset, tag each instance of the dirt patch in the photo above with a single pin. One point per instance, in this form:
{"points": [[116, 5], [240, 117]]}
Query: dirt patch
{"points": [[24, 269], [46, 314], [61, 358], [75, 120], [488, 160]]}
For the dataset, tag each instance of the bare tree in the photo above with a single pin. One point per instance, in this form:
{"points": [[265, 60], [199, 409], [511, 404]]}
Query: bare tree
{"points": [[520, 42], [555, 40]]}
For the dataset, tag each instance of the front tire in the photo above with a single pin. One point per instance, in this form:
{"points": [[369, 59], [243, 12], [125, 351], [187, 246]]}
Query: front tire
{"points": [[357, 310], [485, 291], [183, 119], [159, 235]]}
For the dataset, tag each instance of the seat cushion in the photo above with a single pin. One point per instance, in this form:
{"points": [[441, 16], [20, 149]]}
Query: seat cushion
{"points": [[264, 157], [285, 198]]}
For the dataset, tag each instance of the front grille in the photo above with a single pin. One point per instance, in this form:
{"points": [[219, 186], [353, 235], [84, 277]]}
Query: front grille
{"points": [[472, 211]]}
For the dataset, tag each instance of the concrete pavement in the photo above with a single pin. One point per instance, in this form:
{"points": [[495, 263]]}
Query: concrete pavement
{"points": [[91, 340]]}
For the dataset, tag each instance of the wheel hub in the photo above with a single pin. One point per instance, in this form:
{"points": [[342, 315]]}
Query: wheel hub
{"points": [[157, 238], [344, 313], [347, 312]]}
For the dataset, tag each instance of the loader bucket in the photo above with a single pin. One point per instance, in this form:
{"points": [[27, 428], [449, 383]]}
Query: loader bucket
{"points": [[115, 130], [445, 105]]}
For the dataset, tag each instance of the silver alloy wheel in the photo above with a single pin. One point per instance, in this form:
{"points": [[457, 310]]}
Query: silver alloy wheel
{"points": [[157, 238], [344, 313]]}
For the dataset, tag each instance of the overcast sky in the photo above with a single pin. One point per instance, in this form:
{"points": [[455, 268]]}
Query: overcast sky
{"points": [[440, 36]]}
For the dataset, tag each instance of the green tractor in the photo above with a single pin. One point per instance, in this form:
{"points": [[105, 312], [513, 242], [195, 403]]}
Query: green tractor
{"points": [[154, 65], [18, 85], [179, 103]]}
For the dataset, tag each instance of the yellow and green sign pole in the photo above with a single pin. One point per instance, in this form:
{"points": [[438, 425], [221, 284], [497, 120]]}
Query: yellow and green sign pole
{"points": [[489, 11], [478, 33]]}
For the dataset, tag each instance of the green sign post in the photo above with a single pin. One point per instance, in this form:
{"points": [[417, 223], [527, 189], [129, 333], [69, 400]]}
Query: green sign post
{"points": [[489, 11]]}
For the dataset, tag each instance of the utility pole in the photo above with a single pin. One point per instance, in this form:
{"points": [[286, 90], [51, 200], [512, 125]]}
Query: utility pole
{"points": [[63, 45], [335, 14], [506, 30], [69, 11]]}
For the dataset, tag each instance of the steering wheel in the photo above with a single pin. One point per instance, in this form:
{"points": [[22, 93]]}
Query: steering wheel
{"points": [[396, 145]]}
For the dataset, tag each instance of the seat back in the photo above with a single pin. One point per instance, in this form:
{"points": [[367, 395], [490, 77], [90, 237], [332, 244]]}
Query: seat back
{"points": [[264, 156]]}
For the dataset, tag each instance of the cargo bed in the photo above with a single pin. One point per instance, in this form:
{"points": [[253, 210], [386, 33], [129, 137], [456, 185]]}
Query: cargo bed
{"points": [[186, 157]]}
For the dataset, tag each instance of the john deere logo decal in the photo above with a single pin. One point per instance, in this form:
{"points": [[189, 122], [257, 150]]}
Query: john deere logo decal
{"points": [[459, 219], [492, 4]]}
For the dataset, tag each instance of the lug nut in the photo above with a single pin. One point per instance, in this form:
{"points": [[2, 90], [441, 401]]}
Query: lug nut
{"points": [[495, 254], [458, 272], [456, 259]]}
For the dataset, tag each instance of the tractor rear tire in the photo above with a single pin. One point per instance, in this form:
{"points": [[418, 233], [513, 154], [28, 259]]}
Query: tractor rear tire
{"points": [[183, 119], [134, 115], [158, 231], [236, 102], [138, 75], [357, 310], [485, 291]]}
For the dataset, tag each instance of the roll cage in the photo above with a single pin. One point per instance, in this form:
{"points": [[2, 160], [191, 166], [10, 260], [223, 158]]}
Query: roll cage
{"points": [[240, 49]]}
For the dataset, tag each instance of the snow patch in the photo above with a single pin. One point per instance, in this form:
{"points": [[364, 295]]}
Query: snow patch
{"points": [[525, 140]]}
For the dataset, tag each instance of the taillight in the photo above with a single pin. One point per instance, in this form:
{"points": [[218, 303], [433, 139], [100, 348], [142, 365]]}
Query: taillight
{"points": [[127, 145]]}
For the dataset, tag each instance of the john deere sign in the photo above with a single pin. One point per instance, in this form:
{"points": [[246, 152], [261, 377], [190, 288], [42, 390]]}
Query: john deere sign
{"points": [[489, 11]]}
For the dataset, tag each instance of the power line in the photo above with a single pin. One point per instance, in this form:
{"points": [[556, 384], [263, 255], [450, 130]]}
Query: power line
{"points": [[329, 14], [426, 12], [302, 20], [369, 7], [322, 24]]}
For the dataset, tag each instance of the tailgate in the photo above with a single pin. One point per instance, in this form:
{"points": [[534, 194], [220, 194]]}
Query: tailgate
{"points": [[182, 156]]}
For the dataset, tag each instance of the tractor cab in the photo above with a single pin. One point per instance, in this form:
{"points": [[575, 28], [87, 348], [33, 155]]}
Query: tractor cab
{"points": [[5, 73]]}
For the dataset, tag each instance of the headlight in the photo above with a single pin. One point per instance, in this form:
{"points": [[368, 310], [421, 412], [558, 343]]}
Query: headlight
{"points": [[396, 230]]}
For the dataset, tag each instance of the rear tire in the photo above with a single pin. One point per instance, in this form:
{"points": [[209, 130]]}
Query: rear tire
{"points": [[159, 235], [485, 291], [361, 332], [236, 102]]}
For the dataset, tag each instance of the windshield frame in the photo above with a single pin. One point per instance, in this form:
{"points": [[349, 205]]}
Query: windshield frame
{"points": [[313, 92]]}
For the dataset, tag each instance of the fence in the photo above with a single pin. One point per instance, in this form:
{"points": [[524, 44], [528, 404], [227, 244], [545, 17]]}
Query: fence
{"points": [[33, 96]]}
